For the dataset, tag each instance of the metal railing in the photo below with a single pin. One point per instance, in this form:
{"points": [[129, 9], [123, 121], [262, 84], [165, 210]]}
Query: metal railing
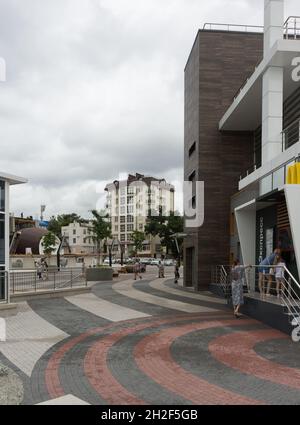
{"points": [[287, 293], [221, 276], [292, 28], [291, 135], [211, 26], [52, 280], [3, 287]]}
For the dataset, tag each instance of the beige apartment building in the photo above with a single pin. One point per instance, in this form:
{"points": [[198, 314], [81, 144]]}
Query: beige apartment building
{"points": [[79, 238], [129, 204]]}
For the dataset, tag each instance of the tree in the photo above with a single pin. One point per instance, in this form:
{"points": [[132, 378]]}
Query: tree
{"points": [[165, 227], [49, 243], [138, 239], [56, 223], [101, 229]]}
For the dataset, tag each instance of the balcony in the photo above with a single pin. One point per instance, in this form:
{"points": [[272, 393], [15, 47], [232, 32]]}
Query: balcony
{"points": [[249, 95], [291, 135]]}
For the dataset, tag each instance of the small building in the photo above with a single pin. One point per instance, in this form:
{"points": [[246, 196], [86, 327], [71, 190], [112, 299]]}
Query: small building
{"points": [[6, 180], [79, 238]]}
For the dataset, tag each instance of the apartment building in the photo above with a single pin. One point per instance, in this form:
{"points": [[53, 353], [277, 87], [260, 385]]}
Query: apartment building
{"points": [[79, 238], [242, 120], [6, 181], [129, 203]]}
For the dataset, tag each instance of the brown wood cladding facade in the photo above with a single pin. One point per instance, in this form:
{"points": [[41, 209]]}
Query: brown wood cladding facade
{"points": [[218, 65]]}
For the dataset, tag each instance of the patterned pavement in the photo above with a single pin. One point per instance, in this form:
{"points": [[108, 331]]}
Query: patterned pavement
{"points": [[148, 342]]}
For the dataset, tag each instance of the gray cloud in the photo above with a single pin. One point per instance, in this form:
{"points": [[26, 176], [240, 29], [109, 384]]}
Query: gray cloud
{"points": [[95, 88]]}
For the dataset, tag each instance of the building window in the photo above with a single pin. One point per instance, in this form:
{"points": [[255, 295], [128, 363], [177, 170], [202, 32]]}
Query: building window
{"points": [[123, 210], [123, 228], [116, 219], [74, 240], [130, 219], [116, 228], [130, 228], [123, 192], [130, 209], [74, 232], [123, 238], [192, 149], [122, 219], [123, 201]]}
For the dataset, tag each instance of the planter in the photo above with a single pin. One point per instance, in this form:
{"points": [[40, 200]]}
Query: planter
{"points": [[99, 274]]}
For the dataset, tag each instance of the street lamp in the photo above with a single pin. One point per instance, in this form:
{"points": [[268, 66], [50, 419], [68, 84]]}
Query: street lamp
{"points": [[177, 236]]}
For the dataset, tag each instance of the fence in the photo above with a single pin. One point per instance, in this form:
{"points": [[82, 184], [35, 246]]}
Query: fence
{"points": [[3, 287], [51, 280]]}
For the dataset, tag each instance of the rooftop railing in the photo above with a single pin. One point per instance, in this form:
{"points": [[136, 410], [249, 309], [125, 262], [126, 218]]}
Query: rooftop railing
{"points": [[292, 28], [212, 26]]}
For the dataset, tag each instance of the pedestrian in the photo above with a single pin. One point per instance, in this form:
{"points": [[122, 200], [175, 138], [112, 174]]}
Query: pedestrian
{"points": [[39, 268], [265, 272], [237, 286], [279, 275], [137, 270], [176, 272], [161, 270]]}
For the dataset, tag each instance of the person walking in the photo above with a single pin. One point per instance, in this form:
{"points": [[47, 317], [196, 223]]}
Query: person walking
{"points": [[39, 269], [161, 270], [265, 272], [237, 286], [279, 275], [176, 272], [137, 270]]}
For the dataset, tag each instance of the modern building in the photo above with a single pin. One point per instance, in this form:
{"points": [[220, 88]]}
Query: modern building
{"points": [[6, 181], [79, 238], [129, 203], [242, 121]]}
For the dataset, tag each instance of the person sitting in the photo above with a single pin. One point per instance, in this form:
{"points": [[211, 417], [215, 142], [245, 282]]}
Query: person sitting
{"points": [[265, 272]]}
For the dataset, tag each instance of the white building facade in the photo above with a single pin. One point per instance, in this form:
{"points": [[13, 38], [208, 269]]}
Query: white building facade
{"points": [[129, 204], [79, 237], [6, 181], [267, 206]]}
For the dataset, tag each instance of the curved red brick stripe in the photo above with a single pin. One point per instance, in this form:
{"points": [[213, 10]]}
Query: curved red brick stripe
{"points": [[237, 352], [52, 379], [98, 373], [154, 359]]}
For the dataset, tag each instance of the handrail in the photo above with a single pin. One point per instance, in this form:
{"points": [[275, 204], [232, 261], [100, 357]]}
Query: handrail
{"points": [[228, 26]]}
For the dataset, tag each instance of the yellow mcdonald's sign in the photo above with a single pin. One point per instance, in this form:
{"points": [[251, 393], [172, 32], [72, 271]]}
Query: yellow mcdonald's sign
{"points": [[293, 176]]}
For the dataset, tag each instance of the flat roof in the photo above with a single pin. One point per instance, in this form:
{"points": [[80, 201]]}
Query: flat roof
{"points": [[11, 179]]}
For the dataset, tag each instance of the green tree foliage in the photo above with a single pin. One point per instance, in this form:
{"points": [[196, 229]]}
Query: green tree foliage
{"points": [[56, 223], [138, 239], [49, 243], [101, 229], [165, 227]]}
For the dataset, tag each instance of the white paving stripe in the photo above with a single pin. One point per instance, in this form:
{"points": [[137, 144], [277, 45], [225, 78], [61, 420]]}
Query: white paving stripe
{"points": [[105, 309], [29, 337], [158, 284], [67, 400], [126, 288]]}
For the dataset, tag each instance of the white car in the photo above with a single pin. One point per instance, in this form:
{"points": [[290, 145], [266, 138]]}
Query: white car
{"points": [[155, 262]]}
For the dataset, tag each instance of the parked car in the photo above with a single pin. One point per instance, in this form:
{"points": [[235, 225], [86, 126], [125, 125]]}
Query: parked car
{"points": [[155, 262], [169, 263]]}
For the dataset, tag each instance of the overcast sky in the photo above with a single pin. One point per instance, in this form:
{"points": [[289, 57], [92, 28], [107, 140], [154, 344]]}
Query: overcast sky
{"points": [[94, 89]]}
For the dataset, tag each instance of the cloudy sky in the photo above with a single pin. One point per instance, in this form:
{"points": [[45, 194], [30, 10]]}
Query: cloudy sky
{"points": [[94, 89]]}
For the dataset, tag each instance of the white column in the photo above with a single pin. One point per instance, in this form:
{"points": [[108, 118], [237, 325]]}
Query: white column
{"points": [[272, 108], [274, 20], [246, 225], [272, 113]]}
